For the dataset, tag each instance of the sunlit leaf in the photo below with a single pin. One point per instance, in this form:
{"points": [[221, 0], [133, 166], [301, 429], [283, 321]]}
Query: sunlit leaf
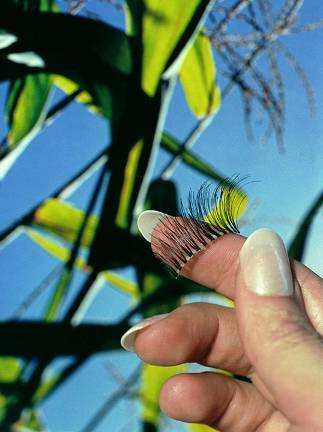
{"points": [[62, 253], [69, 87], [164, 35], [122, 284], [231, 195], [152, 380], [64, 220], [53, 248], [128, 184], [10, 368], [197, 76]]}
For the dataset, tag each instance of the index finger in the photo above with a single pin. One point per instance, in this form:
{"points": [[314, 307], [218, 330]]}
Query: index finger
{"points": [[215, 264], [208, 254]]}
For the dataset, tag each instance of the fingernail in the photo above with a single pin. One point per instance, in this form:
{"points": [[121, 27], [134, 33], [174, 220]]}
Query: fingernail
{"points": [[265, 265], [147, 220], [128, 339]]}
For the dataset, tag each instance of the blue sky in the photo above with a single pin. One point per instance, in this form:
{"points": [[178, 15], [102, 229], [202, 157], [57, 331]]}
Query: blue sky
{"points": [[283, 185]]}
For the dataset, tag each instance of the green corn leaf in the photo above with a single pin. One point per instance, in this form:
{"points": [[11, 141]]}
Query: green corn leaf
{"points": [[297, 246], [64, 220], [134, 150], [94, 55], [46, 340], [135, 144], [152, 380], [197, 76], [165, 32], [170, 144], [28, 96], [26, 107]]}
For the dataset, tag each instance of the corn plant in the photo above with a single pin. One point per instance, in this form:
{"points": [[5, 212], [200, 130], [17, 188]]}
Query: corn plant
{"points": [[128, 78]]}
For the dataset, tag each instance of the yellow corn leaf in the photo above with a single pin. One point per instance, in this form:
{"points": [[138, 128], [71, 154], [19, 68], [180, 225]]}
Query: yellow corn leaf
{"points": [[64, 220], [163, 24], [58, 251], [152, 379], [62, 253], [232, 201], [69, 87], [122, 284], [197, 76], [134, 157]]}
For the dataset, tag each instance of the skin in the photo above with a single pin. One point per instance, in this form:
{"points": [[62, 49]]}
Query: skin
{"points": [[275, 341]]}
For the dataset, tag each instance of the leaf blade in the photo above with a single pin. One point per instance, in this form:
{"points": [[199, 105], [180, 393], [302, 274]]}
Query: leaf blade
{"points": [[64, 220], [197, 76], [26, 107]]}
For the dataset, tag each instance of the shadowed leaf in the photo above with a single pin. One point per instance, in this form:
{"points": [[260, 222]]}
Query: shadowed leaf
{"points": [[297, 246], [189, 158], [38, 339]]}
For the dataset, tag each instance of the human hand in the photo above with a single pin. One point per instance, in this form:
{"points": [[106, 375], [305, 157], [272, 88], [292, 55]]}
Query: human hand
{"points": [[273, 336]]}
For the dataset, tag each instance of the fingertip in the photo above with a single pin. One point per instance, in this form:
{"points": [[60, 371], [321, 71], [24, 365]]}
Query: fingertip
{"points": [[265, 265], [147, 222], [163, 344], [183, 398]]}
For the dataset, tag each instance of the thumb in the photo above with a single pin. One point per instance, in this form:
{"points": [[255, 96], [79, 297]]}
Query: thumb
{"points": [[279, 340]]}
